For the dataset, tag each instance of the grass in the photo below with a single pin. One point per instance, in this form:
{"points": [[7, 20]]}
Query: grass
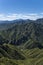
{"points": [[32, 56]]}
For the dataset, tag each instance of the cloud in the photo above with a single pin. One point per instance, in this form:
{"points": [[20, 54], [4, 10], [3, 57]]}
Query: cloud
{"points": [[32, 16]]}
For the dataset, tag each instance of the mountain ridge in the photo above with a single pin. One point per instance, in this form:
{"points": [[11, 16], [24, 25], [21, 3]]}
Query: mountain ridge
{"points": [[17, 20]]}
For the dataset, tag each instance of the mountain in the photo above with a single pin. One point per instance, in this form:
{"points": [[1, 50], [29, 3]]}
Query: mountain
{"points": [[21, 42]]}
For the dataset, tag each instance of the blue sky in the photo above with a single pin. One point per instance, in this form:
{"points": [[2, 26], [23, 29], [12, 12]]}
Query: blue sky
{"points": [[15, 9]]}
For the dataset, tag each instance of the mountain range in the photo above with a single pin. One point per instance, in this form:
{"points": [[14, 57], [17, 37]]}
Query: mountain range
{"points": [[21, 42]]}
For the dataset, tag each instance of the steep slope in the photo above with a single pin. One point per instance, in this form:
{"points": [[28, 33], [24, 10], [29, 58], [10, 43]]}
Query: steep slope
{"points": [[25, 56], [11, 52], [22, 33]]}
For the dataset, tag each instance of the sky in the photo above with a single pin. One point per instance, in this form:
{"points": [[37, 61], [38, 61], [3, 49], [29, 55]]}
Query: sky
{"points": [[21, 9]]}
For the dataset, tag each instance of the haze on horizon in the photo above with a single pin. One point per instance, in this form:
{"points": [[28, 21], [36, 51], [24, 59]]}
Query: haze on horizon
{"points": [[21, 9]]}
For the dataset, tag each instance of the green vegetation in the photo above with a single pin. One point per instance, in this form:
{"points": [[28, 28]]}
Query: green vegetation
{"points": [[21, 43]]}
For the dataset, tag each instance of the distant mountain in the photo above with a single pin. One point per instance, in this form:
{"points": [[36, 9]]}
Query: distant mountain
{"points": [[22, 20]]}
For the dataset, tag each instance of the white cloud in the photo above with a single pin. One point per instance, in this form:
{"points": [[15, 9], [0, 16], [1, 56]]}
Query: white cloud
{"points": [[32, 16]]}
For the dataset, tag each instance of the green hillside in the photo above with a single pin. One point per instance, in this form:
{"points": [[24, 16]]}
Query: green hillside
{"points": [[21, 43]]}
